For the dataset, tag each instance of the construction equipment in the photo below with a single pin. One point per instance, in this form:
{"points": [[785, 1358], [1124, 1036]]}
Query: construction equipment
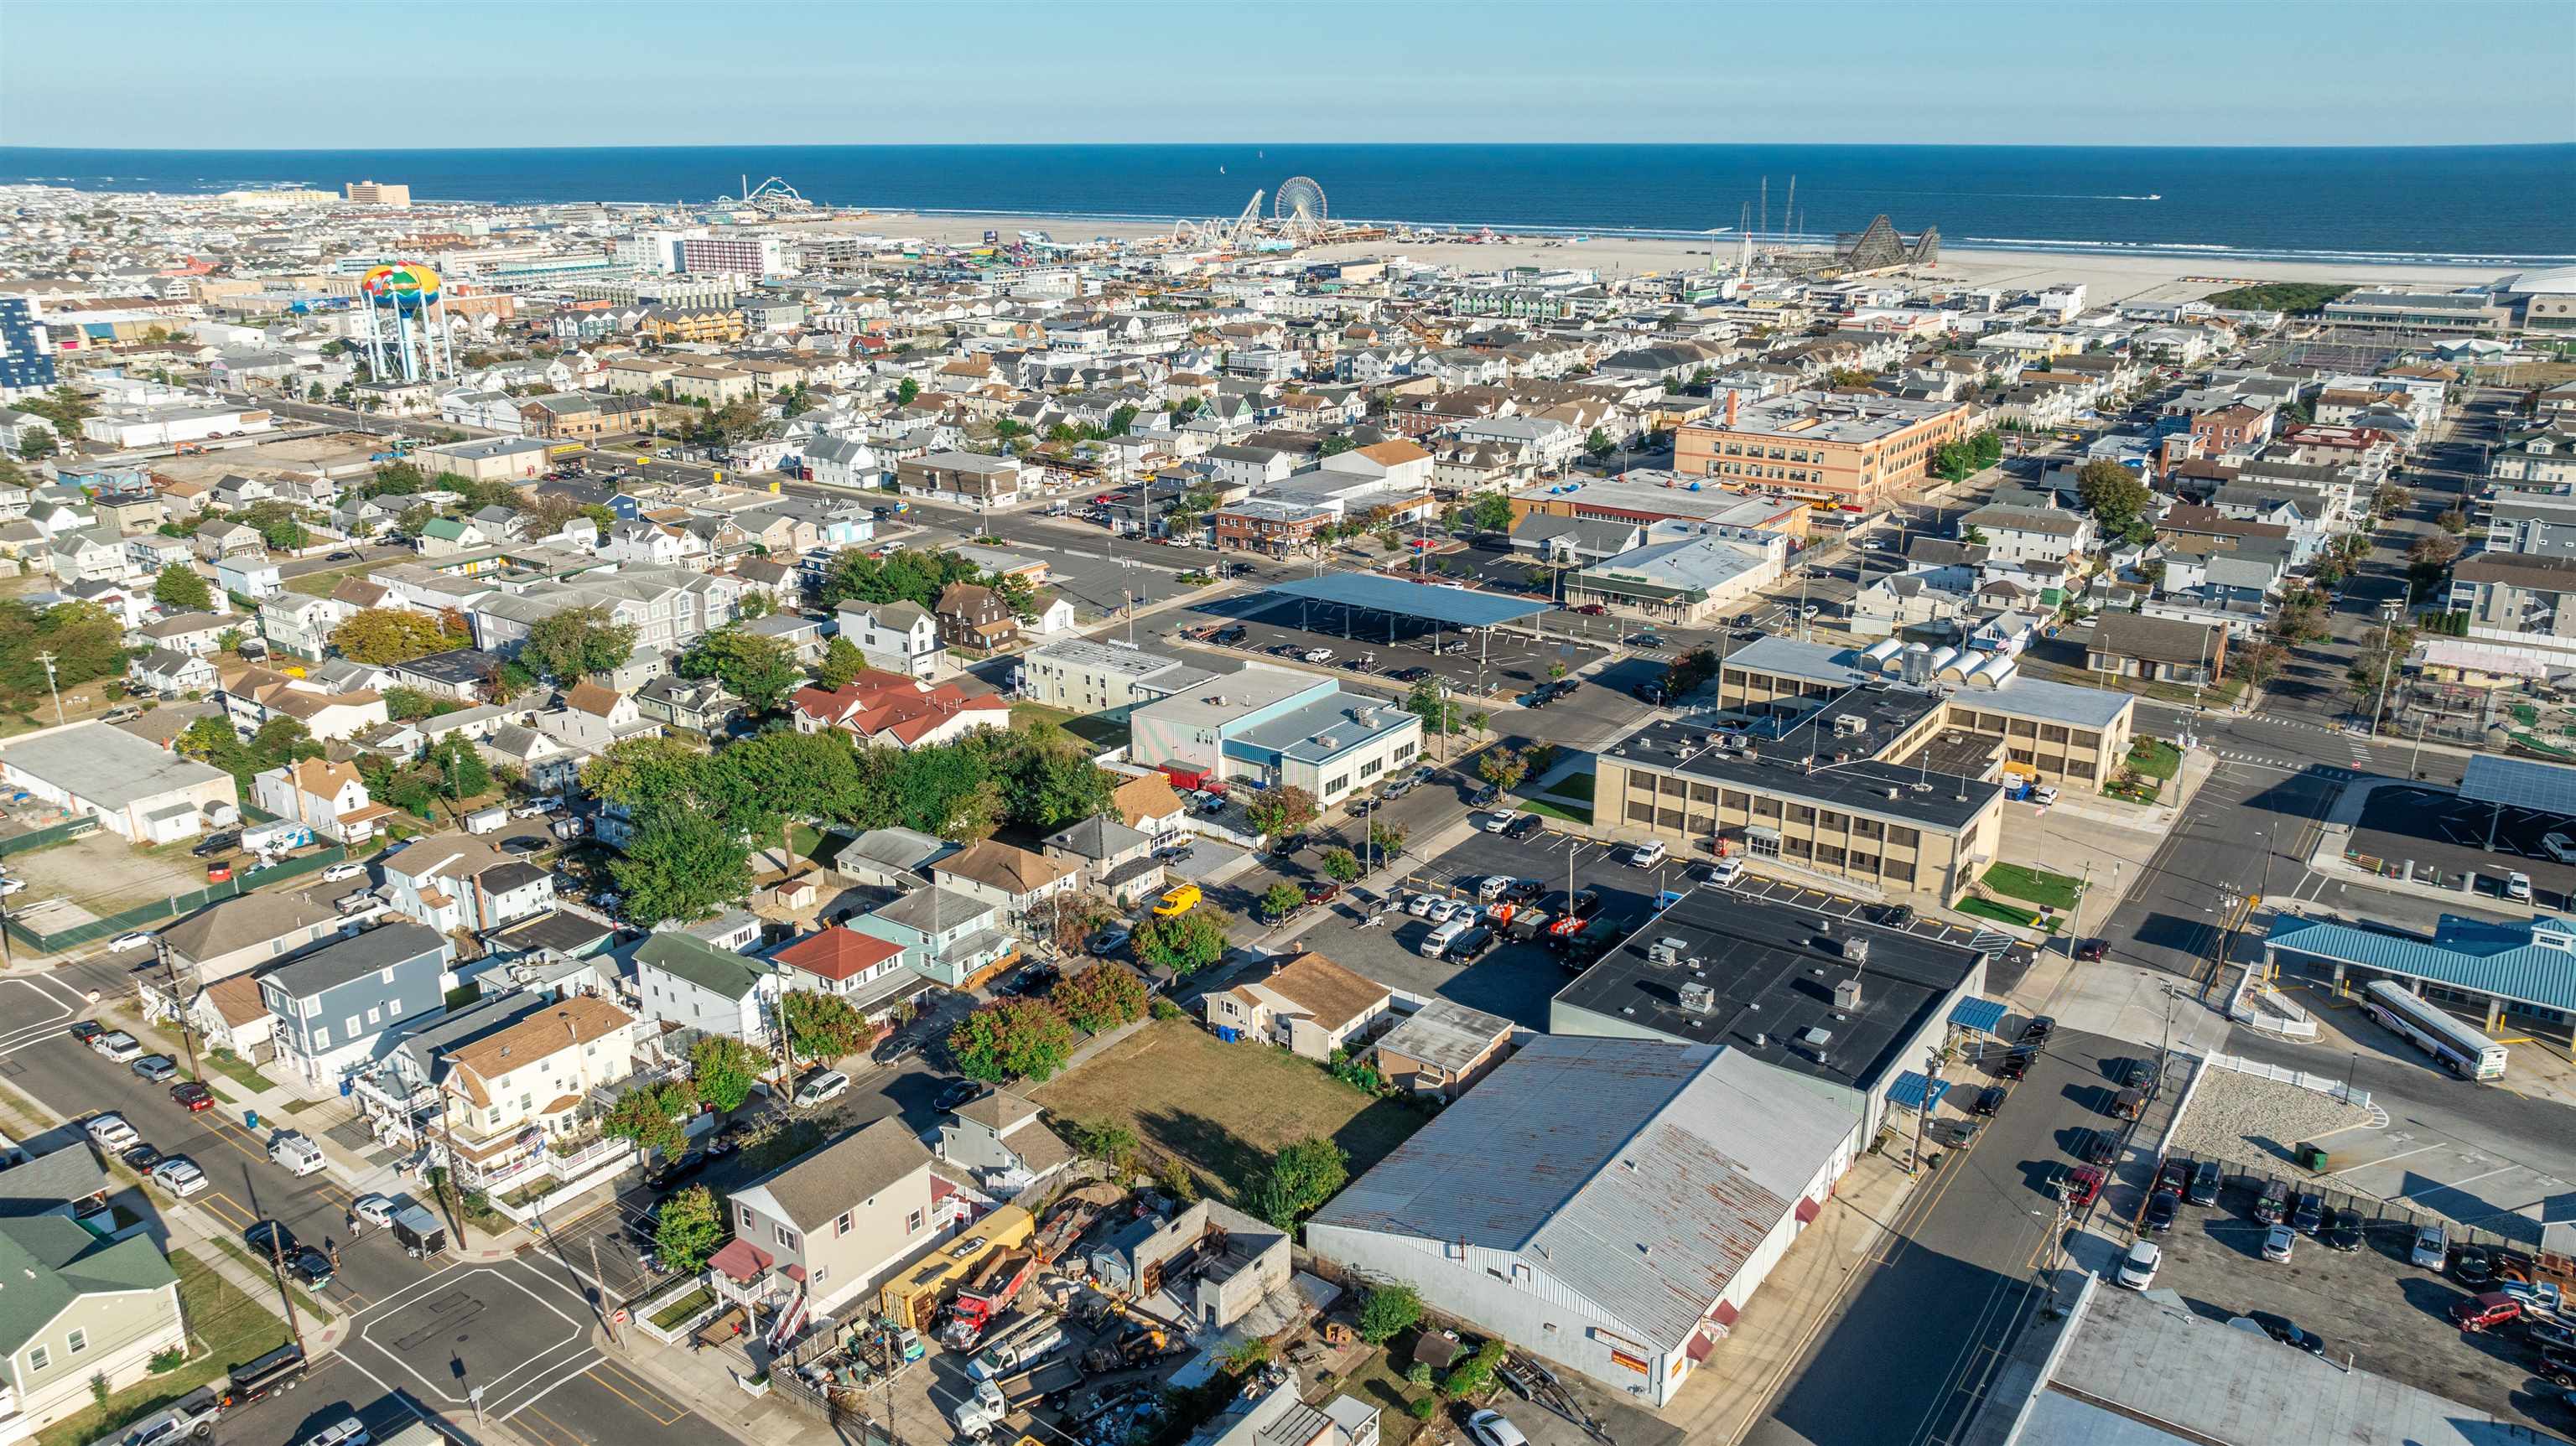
{"points": [[986, 1294], [1139, 1344], [998, 1399], [1063, 1228], [912, 1298]]}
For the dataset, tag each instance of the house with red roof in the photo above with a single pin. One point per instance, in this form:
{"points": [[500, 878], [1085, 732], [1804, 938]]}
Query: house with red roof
{"points": [[880, 708], [866, 971]]}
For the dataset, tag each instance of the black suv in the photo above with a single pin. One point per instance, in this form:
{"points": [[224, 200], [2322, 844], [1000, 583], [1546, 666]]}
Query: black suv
{"points": [[2162, 1207], [1522, 827], [2016, 1065], [1989, 1100], [2204, 1183], [2309, 1215]]}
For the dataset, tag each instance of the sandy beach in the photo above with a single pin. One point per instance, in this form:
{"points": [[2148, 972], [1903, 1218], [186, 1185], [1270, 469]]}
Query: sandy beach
{"points": [[2106, 278]]}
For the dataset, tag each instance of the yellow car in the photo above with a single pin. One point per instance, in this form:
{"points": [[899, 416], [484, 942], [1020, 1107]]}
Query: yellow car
{"points": [[1179, 899]]}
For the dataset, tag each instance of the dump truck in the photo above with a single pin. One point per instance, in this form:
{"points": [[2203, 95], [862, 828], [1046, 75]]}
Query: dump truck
{"points": [[987, 1293], [1002, 1397]]}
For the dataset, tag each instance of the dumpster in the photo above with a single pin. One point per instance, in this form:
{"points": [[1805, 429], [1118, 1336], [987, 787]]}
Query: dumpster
{"points": [[2311, 1157]]}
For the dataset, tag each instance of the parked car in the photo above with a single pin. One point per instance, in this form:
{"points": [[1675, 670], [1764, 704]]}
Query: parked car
{"points": [[2081, 1187], [2472, 1264], [2016, 1065], [179, 1175], [2174, 1178], [2162, 1210], [1498, 822], [87, 1030], [2343, 1231], [2273, 1205], [2043, 796], [1989, 1100], [2101, 1147], [215, 843], [1492, 1428], [2432, 1246], [821, 1087], [2549, 1333], [111, 1132], [2485, 1311], [1522, 827], [1724, 871], [337, 872], [957, 1092], [156, 1068], [2279, 1242], [2205, 1181], [2288, 1334], [1648, 854], [1323, 891], [139, 939], [347, 1431], [2092, 951], [2037, 1031], [895, 1050], [192, 1096], [2517, 886], [119, 1046], [376, 1210], [2309, 1215], [2138, 1267], [2560, 847], [1177, 900]]}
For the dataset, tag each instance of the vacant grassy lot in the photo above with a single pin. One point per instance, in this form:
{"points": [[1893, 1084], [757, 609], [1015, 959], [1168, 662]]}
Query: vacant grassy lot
{"points": [[225, 1328], [1223, 1109]]}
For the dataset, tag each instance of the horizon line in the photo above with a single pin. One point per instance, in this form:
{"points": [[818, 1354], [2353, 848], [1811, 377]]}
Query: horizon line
{"points": [[1357, 145]]}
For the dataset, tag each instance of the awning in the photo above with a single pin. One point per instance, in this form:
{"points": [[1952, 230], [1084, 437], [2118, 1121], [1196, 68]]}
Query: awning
{"points": [[741, 1261], [1981, 1015], [1808, 1210], [1914, 1092], [1724, 1315]]}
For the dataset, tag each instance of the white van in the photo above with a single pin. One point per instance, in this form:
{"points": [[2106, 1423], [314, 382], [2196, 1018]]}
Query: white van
{"points": [[1438, 940], [299, 1155]]}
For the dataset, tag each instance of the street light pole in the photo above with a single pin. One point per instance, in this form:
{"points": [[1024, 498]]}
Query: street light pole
{"points": [[2388, 612]]}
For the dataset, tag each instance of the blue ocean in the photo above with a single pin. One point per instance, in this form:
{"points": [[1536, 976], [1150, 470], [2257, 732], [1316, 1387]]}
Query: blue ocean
{"points": [[2499, 205]]}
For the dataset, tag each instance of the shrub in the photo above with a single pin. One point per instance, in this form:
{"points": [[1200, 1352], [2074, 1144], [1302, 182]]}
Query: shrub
{"points": [[1166, 1009], [1423, 1408], [1389, 1311], [1474, 1373], [167, 1361]]}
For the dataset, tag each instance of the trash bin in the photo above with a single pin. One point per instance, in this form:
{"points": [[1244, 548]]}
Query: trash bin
{"points": [[2311, 1157], [250, 1119]]}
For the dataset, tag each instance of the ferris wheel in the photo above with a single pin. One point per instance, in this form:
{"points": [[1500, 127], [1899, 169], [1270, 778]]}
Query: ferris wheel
{"points": [[1299, 206]]}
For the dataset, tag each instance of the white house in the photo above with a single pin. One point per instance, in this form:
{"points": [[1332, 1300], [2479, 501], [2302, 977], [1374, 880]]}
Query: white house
{"points": [[690, 984]]}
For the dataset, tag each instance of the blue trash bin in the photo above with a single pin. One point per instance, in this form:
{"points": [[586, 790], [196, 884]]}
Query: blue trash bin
{"points": [[250, 1119]]}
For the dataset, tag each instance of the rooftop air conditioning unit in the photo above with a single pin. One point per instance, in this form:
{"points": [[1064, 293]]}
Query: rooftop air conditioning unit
{"points": [[1698, 998], [1849, 724], [1847, 995], [1856, 949]]}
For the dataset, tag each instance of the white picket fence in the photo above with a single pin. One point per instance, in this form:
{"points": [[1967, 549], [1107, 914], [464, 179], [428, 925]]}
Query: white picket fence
{"points": [[2322, 1084], [2257, 1005]]}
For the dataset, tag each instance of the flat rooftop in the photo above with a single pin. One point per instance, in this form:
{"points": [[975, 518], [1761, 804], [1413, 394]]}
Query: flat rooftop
{"points": [[1831, 417], [108, 767], [1657, 492], [1772, 968], [2036, 698], [1799, 760]]}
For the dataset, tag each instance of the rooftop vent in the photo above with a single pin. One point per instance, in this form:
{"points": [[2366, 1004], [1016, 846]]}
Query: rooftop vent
{"points": [[1856, 949], [1761, 1040]]}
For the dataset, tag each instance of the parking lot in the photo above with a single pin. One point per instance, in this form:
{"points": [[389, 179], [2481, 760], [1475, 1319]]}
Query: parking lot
{"points": [[99, 874], [2436, 827], [2368, 1306], [1493, 662]]}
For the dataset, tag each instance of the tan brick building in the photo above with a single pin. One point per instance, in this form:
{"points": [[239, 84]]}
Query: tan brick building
{"points": [[1846, 450]]}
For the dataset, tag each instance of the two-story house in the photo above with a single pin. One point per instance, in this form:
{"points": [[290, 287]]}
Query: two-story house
{"points": [[838, 1219], [453, 881], [973, 616], [946, 936], [688, 984], [76, 1309], [1309, 1006], [517, 1096], [895, 710], [1010, 878], [864, 970], [999, 1136], [334, 1005], [329, 798], [897, 637], [235, 935]]}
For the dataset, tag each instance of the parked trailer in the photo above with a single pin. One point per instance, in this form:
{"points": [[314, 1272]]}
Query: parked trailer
{"points": [[911, 1298], [2435, 1030]]}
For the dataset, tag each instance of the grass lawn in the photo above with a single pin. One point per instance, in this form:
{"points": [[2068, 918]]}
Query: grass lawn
{"points": [[262, 1268], [2037, 886], [1378, 1383], [2007, 913], [686, 1306], [1025, 714], [1223, 1109], [225, 1329], [2155, 758], [1572, 785], [231, 1066], [803, 839], [320, 584], [1545, 809], [23, 1121]]}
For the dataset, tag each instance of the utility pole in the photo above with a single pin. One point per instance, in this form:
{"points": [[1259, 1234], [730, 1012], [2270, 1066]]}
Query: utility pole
{"points": [[607, 1316], [1931, 1085], [47, 658], [178, 1006], [447, 1126], [2388, 612], [277, 1272]]}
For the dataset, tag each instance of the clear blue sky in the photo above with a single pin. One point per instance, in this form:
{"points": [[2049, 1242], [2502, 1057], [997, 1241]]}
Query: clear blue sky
{"points": [[290, 74]]}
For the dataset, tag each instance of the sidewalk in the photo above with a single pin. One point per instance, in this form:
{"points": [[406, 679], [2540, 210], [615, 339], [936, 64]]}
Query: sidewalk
{"points": [[708, 1382]]}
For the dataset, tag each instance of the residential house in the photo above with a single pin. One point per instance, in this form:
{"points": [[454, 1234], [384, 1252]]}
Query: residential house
{"points": [[334, 1005], [893, 710], [689, 984], [454, 881], [2154, 649], [829, 1225], [169, 670], [593, 716], [299, 623], [866, 971], [701, 705], [244, 932], [974, 616], [79, 1310], [198, 633], [2016, 535], [1117, 860], [521, 1085], [1150, 805], [948, 937], [999, 1136], [1309, 1006], [229, 1014], [897, 637], [329, 798], [1010, 878]]}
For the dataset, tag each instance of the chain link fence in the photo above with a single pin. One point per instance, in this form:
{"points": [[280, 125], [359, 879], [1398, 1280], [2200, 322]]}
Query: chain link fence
{"points": [[175, 906]]}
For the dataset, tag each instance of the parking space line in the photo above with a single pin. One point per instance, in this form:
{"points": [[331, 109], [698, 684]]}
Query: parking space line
{"points": [[226, 1209], [569, 1439]]}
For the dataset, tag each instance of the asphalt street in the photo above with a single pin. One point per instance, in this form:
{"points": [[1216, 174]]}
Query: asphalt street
{"points": [[1916, 1342], [430, 1332]]}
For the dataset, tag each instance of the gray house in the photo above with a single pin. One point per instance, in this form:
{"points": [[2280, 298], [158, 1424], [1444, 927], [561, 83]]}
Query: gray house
{"points": [[334, 1005], [998, 1135]]}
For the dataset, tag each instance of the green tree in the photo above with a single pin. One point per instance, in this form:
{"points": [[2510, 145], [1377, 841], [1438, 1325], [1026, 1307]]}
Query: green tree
{"points": [[654, 1116], [1107, 1141], [758, 669], [1281, 900], [821, 1026], [841, 661], [905, 391], [1599, 446], [180, 589], [1491, 511], [1101, 997], [1388, 1311], [1183, 943], [1335, 445], [1279, 812], [1438, 714], [1011, 1039], [642, 773], [2112, 493], [1503, 767], [1121, 421], [1342, 864], [1050, 783], [384, 636], [784, 773], [682, 865], [1302, 1176], [461, 770], [279, 524], [575, 643], [725, 1068], [688, 1230], [411, 704], [38, 445], [86, 642]]}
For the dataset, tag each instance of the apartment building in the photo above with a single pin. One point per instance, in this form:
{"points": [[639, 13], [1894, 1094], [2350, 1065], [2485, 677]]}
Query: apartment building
{"points": [[1851, 451], [334, 1004]]}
